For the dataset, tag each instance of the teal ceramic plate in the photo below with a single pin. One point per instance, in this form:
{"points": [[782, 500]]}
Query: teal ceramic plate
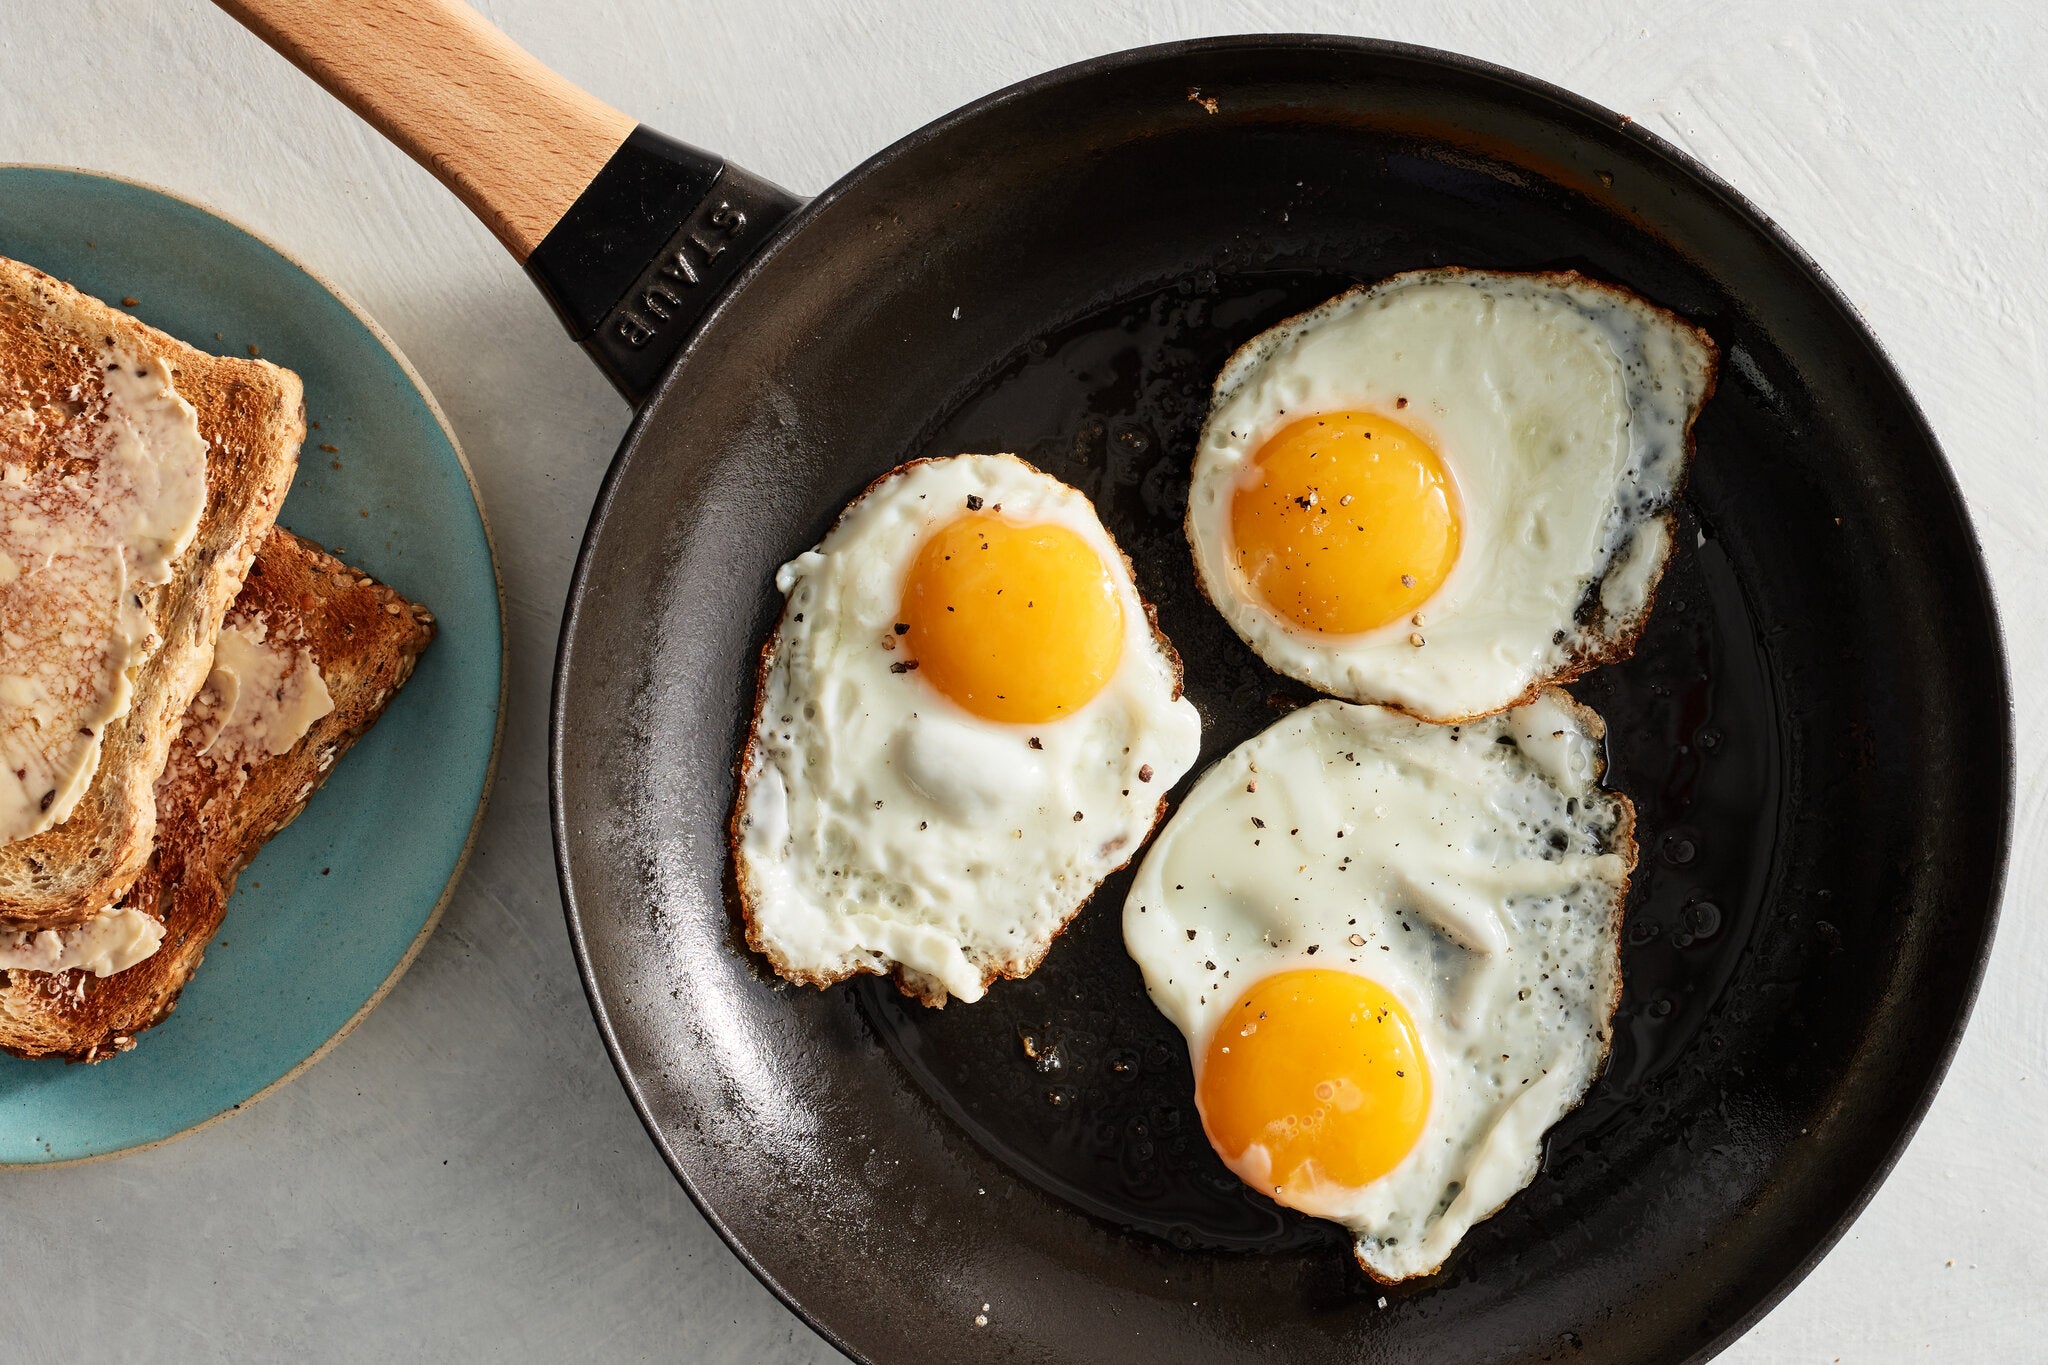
{"points": [[332, 911]]}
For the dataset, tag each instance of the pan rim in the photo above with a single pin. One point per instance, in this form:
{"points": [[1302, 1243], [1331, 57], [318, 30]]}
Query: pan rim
{"points": [[1740, 208]]}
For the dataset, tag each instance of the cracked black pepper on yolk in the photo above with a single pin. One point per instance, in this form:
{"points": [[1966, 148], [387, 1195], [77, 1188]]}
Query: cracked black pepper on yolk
{"points": [[1014, 621], [1344, 521]]}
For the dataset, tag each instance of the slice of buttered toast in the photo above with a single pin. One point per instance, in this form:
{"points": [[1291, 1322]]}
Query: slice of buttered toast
{"points": [[137, 477], [223, 796]]}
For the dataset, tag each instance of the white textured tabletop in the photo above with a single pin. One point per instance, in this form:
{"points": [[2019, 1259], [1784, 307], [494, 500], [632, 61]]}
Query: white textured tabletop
{"points": [[462, 1178]]}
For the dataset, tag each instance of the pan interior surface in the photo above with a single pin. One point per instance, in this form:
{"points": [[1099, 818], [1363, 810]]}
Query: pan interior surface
{"points": [[1815, 730]]}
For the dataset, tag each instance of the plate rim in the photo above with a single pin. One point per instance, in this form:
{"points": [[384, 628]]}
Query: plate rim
{"points": [[490, 781], [1741, 206]]}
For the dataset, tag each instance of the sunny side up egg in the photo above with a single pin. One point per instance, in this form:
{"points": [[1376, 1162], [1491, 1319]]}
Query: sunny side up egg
{"points": [[1393, 950], [966, 719], [1450, 489]]}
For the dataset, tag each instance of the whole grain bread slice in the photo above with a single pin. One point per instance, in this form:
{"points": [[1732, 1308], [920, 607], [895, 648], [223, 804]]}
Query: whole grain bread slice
{"points": [[214, 815], [54, 345]]}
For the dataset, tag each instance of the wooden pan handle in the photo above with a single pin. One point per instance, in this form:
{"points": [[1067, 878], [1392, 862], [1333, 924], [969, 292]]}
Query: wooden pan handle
{"points": [[513, 140]]}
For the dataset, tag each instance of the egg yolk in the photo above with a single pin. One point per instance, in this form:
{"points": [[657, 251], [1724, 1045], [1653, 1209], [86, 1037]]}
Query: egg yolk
{"points": [[1344, 521], [1013, 621], [1324, 1070]]}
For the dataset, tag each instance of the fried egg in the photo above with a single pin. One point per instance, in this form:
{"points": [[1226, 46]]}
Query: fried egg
{"points": [[1450, 489], [966, 719], [1393, 950]]}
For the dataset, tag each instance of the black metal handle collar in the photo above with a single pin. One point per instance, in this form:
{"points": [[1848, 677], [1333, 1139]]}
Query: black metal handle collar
{"points": [[647, 248]]}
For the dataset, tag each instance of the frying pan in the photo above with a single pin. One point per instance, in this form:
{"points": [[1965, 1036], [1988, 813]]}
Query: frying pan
{"points": [[1816, 726]]}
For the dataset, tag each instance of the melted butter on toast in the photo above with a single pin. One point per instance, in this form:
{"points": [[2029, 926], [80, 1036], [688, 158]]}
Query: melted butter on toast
{"points": [[261, 697], [111, 941], [83, 538]]}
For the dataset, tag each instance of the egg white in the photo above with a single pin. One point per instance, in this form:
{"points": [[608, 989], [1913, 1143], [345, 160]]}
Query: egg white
{"points": [[1476, 872], [880, 827], [1562, 408]]}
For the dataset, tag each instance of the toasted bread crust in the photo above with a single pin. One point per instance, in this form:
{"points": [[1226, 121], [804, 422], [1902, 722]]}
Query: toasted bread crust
{"points": [[213, 816], [252, 414]]}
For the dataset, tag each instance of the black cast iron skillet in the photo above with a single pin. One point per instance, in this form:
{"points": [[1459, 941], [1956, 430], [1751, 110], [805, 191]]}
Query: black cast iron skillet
{"points": [[1815, 729]]}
